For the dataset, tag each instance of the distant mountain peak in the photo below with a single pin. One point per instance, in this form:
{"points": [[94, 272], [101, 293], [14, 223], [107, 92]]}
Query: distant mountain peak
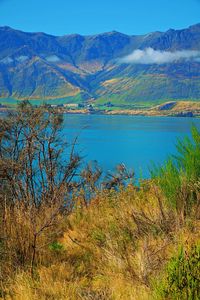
{"points": [[6, 28], [109, 33], [195, 26], [42, 65], [114, 32]]}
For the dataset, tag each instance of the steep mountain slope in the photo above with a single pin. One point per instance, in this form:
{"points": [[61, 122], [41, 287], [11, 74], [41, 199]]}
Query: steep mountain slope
{"points": [[149, 83], [41, 66]]}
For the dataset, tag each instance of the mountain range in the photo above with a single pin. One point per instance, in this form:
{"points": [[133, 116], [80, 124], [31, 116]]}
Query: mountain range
{"points": [[100, 68]]}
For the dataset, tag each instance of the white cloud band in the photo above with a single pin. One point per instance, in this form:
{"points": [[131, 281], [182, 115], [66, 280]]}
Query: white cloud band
{"points": [[151, 56]]}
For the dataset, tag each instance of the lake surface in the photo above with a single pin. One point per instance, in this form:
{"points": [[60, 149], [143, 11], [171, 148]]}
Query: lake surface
{"points": [[132, 140]]}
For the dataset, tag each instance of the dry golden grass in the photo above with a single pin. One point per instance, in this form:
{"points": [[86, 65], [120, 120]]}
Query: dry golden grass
{"points": [[113, 249], [186, 106]]}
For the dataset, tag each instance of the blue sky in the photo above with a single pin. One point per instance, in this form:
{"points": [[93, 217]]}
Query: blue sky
{"points": [[95, 16]]}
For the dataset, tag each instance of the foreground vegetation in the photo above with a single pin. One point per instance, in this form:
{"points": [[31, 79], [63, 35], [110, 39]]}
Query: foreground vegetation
{"points": [[64, 236]]}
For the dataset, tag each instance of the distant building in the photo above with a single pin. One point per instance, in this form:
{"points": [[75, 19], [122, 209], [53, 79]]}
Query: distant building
{"points": [[90, 108], [81, 105], [70, 105]]}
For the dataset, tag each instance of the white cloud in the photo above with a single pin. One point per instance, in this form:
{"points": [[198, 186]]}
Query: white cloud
{"points": [[151, 56], [52, 58], [22, 58], [6, 60]]}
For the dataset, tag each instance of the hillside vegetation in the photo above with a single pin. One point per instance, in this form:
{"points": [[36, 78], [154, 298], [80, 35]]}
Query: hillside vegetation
{"points": [[73, 238], [39, 66]]}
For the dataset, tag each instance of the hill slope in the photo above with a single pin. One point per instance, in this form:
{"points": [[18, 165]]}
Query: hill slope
{"points": [[41, 66]]}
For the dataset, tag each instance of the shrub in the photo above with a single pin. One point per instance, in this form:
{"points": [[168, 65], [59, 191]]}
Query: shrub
{"points": [[179, 176], [182, 277], [36, 178], [55, 246]]}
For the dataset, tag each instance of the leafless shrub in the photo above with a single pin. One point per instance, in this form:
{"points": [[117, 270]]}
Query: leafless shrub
{"points": [[37, 171]]}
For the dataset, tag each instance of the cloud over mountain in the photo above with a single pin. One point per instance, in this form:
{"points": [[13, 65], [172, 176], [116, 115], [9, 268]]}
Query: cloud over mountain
{"points": [[151, 56], [79, 68]]}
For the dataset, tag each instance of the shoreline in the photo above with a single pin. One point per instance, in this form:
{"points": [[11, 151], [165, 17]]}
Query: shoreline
{"points": [[180, 114], [142, 113], [189, 109]]}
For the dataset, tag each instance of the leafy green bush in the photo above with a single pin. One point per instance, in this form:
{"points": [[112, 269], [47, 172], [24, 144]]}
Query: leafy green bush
{"points": [[178, 177], [182, 279]]}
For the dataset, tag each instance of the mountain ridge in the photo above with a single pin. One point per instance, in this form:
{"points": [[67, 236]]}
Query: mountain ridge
{"points": [[87, 67]]}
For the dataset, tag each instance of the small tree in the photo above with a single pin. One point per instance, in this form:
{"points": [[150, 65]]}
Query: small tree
{"points": [[39, 175], [37, 170]]}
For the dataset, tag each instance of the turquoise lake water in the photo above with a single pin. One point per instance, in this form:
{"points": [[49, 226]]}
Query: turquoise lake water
{"points": [[134, 141]]}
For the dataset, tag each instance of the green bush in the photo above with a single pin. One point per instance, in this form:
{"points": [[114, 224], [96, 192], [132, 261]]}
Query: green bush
{"points": [[56, 246], [182, 280], [180, 174]]}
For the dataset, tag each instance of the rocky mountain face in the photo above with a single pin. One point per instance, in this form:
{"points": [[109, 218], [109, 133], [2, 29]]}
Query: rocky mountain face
{"points": [[75, 67]]}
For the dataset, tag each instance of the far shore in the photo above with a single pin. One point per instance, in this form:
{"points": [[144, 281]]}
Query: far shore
{"points": [[167, 109], [135, 113], [147, 113]]}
